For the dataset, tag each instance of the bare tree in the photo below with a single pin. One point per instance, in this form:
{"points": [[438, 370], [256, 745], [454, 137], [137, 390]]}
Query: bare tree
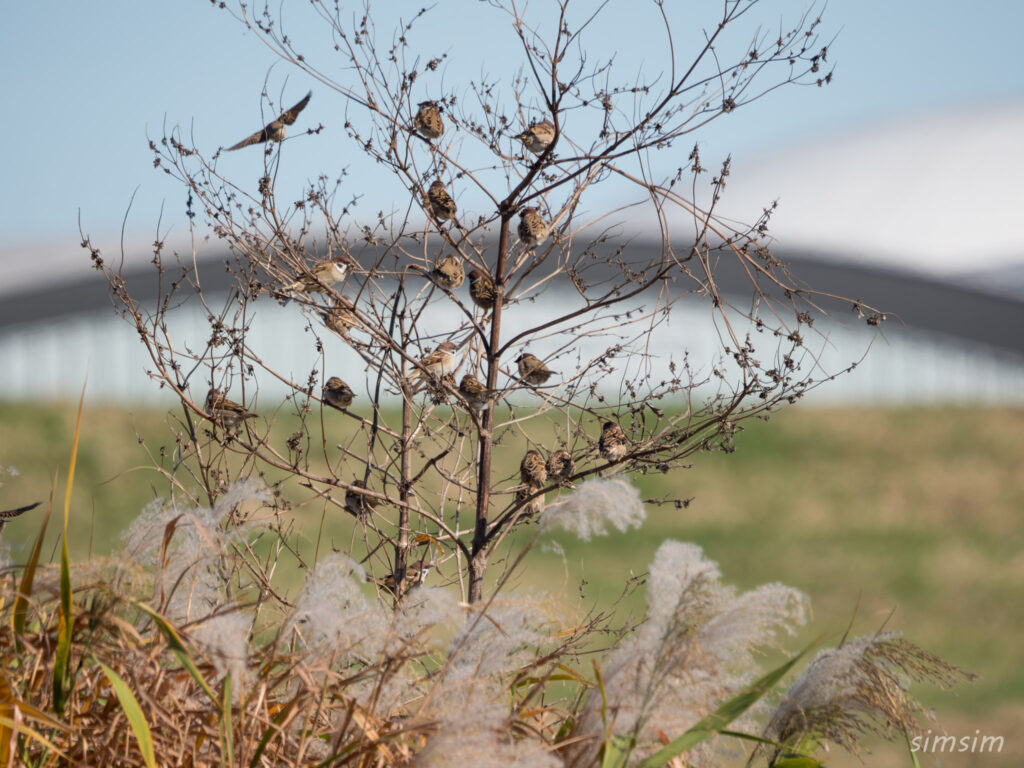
{"points": [[494, 182]]}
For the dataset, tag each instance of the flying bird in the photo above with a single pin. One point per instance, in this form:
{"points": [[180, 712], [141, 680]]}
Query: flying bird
{"points": [[538, 136], [533, 230], [439, 363], [448, 272], [224, 411], [274, 130], [428, 122], [323, 276], [532, 470], [612, 443], [561, 466], [337, 393], [532, 370]]}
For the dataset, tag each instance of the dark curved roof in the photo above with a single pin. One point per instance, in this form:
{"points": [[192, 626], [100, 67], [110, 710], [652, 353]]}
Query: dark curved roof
{"points": [[950, 308]]}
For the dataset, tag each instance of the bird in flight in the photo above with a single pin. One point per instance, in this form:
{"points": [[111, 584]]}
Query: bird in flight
{"points": [[274, 130]]}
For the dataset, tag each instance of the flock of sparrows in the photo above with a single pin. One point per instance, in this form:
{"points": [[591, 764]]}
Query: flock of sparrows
{"points": [[449, 274]]}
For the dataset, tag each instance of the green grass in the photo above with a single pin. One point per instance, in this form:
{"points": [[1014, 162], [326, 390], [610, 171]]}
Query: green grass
{"points": [[910, 512]]}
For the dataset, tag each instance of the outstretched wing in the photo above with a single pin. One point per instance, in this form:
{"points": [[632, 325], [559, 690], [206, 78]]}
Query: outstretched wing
{"points": [[292, 114], [257, 138], [10, 514]]}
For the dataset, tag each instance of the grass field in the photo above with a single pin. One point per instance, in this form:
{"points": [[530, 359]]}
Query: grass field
{"points": [[909, 517]]}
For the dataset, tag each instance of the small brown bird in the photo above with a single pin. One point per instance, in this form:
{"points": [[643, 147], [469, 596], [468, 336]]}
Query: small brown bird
{"points": [[415, 574], [482, 290], [439, 363], [533, 230], [341, 318], [532, 470], [476, 394], [428, 122], [538, 136], [531, 508], [337, 393], [441, 203], [532, 370], [613, 443], [561, 466], [226, 412], [358, 504], [323, 276], [274, 130], [448, 272]]}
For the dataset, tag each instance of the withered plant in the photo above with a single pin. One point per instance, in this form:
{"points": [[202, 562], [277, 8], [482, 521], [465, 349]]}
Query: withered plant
{"points": [[492, 302]]}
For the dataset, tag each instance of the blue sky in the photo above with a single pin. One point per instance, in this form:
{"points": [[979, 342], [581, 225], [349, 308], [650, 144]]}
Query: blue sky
{"points": [[87, 82]]}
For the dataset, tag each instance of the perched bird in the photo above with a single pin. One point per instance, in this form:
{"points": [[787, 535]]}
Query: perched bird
{"points": [[224, 411], [448, 272], [415, 574], [532, 470], [482, 290], [358, 504], [274, 130], [441, 203], [538, 136], [476, 394], [428, 122], [337, 393], [532, 370], [531, 507], [533, 230], [613, 443], [439, 363], [341, 318], [561, 466], [323, 276]]}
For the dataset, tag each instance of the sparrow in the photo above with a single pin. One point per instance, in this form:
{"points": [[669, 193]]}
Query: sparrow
{"points": [[323, 276], [476, 394], [532, 470], [532, 507], [428, 120], [441, 203], [227, 412], [538, 136], [532, 370], [448, 272], [439, 363], [358, 504], [482, 290], [561, 466], [337, 393], [415, 574], [613, 443], [274, 130], [533, 230], [341, 318]]}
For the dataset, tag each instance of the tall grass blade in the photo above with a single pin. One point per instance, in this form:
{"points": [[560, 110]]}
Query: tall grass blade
{"points": [[20, 610], [179, 650], [133, 712], [227, 727], [62, 660], [721, 717]]}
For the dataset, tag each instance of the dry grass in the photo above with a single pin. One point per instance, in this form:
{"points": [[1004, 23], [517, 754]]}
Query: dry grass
{"points": [[912, 510]]}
